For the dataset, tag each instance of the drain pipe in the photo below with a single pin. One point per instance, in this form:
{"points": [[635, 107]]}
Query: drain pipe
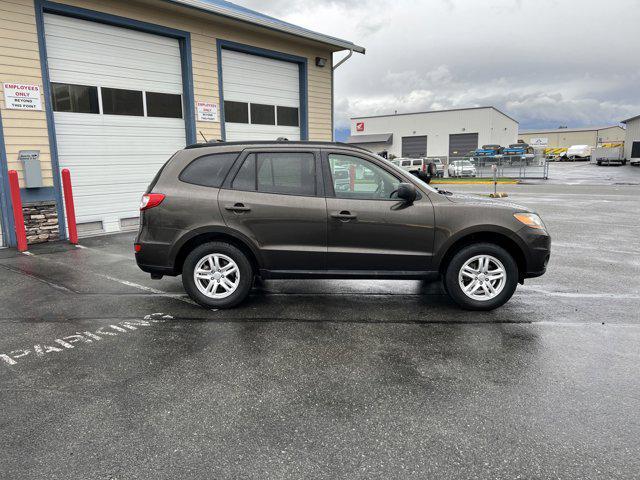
{"points": [[333, 129], [344, 59]]}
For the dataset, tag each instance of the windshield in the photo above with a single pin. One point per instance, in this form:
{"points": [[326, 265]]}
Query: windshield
{"points": [[463, 163], [413, 178]]}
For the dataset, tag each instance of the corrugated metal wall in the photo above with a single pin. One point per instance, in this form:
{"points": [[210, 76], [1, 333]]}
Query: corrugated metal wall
{"points": [[632, 135]]}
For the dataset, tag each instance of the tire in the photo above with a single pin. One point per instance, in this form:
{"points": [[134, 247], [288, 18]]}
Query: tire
{"points": [[505, 289], [227, 255], [599, 163]]}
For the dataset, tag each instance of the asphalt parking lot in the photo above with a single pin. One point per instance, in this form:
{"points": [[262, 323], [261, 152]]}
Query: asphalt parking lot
{"points": [[107, 374]]}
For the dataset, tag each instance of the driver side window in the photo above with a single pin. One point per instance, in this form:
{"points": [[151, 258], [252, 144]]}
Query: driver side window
{"points": [[356, 178]]}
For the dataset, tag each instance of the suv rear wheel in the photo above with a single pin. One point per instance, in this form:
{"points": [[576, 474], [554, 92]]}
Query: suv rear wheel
{"points": [[483, 276], [217, 275]]}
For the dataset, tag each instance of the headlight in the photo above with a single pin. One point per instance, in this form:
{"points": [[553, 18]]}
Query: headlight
{"points": [[530, 220]]}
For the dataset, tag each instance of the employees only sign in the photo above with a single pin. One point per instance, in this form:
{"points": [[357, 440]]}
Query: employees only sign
{"points": [[207, 112], [22, 97]]}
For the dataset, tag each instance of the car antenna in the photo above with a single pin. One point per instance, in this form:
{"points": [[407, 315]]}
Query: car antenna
{"points": [[202, 134]]}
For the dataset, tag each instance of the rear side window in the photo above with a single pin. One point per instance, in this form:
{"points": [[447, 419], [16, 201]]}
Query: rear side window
{"points": [[209, 171], [417, 162], [290, 173]]}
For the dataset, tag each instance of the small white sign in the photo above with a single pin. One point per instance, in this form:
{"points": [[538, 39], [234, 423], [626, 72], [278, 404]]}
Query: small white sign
{"points": [[22, 97], [207, 112], [539, 142]]}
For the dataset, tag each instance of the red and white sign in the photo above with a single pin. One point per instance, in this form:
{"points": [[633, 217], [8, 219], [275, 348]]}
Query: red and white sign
{"points": [[22, 97], [207, 112], [359, 126]]}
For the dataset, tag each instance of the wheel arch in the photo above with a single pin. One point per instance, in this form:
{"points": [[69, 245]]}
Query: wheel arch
{"points": [[482, 235], [200, 236]]}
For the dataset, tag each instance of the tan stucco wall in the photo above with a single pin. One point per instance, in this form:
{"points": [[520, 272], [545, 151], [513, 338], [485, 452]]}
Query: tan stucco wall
{"points": [[569, 138], [20, 63]]}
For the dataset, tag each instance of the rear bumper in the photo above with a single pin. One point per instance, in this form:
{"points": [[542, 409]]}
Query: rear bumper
{"points": [[155, 258]]}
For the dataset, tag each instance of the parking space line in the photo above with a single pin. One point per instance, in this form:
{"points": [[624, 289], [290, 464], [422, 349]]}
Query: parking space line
{"points": [[38, 279], [616, 296]]}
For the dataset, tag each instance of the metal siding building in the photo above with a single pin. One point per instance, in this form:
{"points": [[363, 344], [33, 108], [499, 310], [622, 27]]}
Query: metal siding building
{"points": [[120, 82], [566, 137], [441, 129], [632, 135]]}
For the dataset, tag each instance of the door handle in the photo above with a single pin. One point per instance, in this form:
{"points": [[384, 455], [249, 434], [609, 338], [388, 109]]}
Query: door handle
{"points": [[344, 215], [238, 207]]}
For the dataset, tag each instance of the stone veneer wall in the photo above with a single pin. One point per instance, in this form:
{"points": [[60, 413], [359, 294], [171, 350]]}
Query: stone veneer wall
{"points": [[41, 222]]}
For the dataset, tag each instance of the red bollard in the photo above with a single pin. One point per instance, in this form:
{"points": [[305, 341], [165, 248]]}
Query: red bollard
{"points": [[70, 209], [18, 218]]}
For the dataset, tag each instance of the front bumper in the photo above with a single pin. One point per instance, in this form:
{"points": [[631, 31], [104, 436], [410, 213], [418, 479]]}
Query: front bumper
{"points": [[537, 252]]}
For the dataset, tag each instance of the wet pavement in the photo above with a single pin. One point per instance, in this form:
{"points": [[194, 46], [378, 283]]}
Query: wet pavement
{"points": [[105, 373]]}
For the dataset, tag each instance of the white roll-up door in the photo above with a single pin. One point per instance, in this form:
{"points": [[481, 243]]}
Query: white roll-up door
{"points": [[118, 111], [262, 97]]}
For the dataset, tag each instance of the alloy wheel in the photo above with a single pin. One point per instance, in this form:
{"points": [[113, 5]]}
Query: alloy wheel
{"points": [[216, 275], [482, 277]]}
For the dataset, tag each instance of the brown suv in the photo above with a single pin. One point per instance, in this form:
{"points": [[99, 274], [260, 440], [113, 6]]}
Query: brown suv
{"points": [[220, 214]]}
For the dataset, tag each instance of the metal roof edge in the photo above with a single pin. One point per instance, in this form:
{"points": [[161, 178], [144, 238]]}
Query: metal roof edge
{"points": [[629, 119], [436, 111], [529, 131], [256, 18]]}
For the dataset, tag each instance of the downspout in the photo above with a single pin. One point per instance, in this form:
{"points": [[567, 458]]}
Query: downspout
{"points": [[344, 59], [333, 129]]}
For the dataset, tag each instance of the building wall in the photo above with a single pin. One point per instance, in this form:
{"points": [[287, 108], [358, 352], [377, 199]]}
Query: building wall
{"points": [[20, 63], [504, 131], [488, 123], [632, 135], [568, 138]]}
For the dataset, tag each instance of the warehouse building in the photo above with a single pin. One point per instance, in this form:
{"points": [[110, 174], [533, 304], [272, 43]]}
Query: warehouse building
{"points": [[566, 137], [110, 90], [632, 139], [442, 133]]}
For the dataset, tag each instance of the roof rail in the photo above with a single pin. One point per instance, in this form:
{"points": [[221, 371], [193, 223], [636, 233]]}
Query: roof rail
{"points": [[282, 141]]}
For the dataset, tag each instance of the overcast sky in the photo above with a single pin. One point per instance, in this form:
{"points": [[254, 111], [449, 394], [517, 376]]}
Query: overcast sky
{"points": [[544, 62]]}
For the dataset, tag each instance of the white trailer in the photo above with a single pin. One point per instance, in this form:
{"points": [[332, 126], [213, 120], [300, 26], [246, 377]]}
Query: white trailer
{"points": [[608, 156]]}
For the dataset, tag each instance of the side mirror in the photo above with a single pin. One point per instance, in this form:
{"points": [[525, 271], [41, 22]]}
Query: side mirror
{"points": [[407, 192]]}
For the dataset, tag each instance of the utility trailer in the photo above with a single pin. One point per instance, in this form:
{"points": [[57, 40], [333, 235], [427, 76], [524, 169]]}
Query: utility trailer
{"points": [[608, 156]]}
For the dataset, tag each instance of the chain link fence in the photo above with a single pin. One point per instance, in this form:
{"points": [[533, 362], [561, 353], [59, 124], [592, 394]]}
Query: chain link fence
{"points": [[509, 166]]}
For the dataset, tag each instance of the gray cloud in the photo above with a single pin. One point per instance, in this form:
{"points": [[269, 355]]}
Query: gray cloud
{"points": [[545, 62]]}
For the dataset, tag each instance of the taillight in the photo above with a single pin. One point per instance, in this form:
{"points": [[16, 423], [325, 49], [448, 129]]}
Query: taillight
{"points": [[424, 167], [150, 200]]}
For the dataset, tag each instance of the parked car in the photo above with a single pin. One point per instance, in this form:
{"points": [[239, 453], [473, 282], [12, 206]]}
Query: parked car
{"points": [[578, 152], [439, 166], [221, 214], [462, 168], [418, 167]]}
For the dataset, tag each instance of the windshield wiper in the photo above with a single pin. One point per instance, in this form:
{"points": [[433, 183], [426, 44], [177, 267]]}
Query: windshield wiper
{"points": [[444, 192]]}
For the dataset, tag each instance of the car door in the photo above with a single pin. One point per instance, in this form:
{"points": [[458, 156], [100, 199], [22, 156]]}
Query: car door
{"points": [[276, 198], [368, 229]]}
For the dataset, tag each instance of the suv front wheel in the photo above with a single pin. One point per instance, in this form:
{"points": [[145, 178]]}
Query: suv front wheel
{"points": [[483, 276], [217, 275]]}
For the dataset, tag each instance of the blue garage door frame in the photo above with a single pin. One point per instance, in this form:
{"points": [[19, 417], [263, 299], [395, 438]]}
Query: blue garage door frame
{"points": [[184, 39], [6, 216]]}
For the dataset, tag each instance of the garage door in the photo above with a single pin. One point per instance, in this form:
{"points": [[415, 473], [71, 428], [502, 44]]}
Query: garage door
{"points": [[261, 97], [414, 147], [117, 101], [460, 144]]}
